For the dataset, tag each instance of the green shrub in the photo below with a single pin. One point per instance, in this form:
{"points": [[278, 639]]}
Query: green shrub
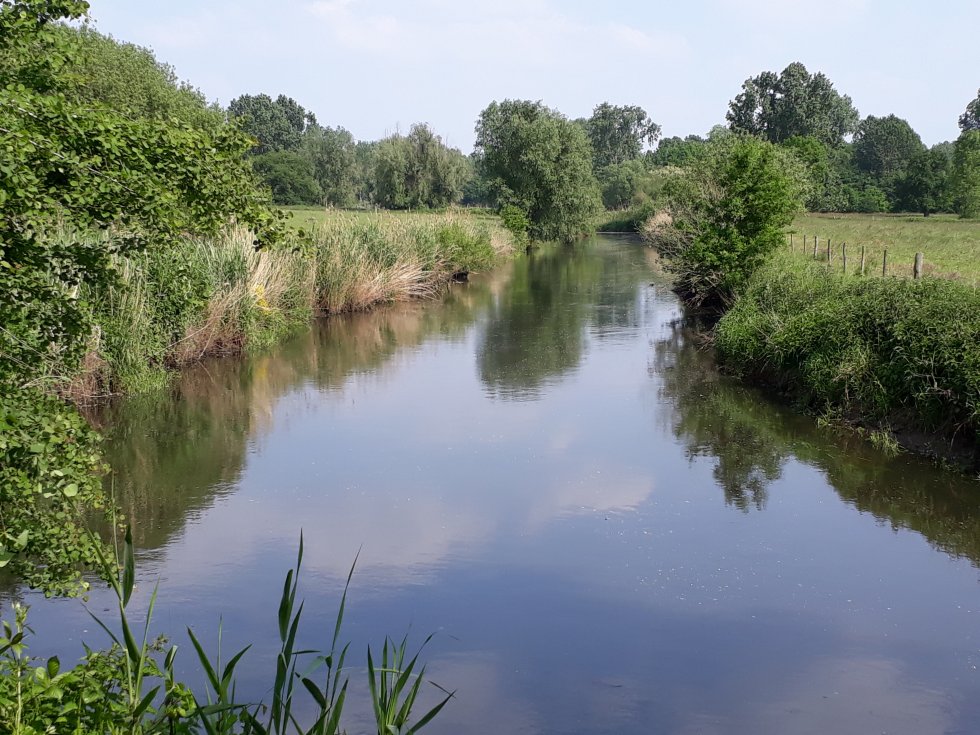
{"points": [[727, 213], [51, 471], [884, 349]]}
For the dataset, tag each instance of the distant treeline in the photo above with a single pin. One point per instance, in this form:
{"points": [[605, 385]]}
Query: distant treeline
{"points": [[875, 164]]}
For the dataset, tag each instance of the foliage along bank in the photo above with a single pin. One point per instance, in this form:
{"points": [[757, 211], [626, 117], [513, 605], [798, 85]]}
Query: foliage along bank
{"points": [[892, 356]]}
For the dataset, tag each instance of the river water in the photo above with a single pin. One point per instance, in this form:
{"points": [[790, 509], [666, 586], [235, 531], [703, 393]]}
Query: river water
{"points": [[546, 471]]}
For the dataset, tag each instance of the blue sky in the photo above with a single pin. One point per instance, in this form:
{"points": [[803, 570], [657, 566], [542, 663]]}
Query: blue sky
{"points": [[376, 66]]}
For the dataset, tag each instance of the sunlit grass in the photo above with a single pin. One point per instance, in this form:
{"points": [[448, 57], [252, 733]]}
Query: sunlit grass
{"points": [[951, 246]]}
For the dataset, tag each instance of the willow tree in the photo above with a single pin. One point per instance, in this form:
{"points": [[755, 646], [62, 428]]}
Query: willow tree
{"points": [[535, 159]]}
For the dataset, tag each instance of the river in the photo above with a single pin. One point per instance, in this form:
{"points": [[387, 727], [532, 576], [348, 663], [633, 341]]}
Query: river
{"points": [[544, 470]]}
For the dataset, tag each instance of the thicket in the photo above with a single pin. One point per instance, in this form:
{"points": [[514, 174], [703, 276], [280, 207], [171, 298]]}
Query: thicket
{"points": [[724, 214], [885, 351], [73, 166]]}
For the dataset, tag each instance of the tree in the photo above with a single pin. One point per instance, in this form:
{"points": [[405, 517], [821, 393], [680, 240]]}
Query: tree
{"points": [[777, 107], [418, 171], [883, 147], [730, 209], [925, 186], [79, 182], [676, 151], [128, 78], [828, 169], [618, 134], [289, 176], [536, 159], [331, 153], [965, 178], [970, 119], [276, 125]]}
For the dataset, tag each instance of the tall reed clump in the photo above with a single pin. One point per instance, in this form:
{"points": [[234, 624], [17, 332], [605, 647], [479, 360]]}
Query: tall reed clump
{"points": [[892, 351], [131, 687], [362, 261], [173, 305]]}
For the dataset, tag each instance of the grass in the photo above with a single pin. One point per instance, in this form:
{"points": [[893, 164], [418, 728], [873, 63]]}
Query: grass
{"points": [[306, 217], [883, 352], [173, 306], [951, 246]]}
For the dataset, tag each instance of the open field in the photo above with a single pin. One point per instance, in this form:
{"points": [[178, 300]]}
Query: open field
{"points": [[308, 216], [951, 246]]}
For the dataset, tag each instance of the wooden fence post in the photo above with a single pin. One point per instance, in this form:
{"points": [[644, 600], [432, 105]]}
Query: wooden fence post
{"points": [[917, 267], [884, 264], [791, 248], [862, 260], [814, 247], [830, 253], [843, 250]]}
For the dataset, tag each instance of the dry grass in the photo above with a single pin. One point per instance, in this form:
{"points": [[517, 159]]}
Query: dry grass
{"points": [[213, 296]]}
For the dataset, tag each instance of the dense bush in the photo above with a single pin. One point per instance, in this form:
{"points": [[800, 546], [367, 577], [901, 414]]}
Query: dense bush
{"points": [[878, 348], [727, 211]]}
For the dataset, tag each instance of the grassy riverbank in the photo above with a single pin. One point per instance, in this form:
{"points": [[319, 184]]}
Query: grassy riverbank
{"points": [[172, 306], [895, 357]]}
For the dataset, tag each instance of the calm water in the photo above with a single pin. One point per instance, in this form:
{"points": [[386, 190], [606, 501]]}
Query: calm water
{"points": [[544, 470]]}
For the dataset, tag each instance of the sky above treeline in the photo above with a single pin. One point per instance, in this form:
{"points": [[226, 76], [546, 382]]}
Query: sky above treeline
{"points": [[377, 66]]}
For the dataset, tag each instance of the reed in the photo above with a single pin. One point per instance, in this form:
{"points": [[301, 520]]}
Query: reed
{"points": [[169, 307], [129, 689]]}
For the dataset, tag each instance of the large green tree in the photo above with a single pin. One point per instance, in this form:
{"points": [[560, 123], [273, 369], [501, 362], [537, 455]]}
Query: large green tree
{"points": [[965, 177], [883, 148], [418, 171], [331, 154], [275, 124], [618, 134], [535, 159], [289, 176], [925, 185], [792, 103], [970, 119]]}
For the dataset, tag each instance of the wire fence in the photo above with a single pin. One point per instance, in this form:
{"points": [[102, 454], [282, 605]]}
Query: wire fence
{"points": [[858, 260]]}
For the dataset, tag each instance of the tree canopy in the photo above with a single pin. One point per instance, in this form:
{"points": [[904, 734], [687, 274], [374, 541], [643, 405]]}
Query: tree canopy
{"points": [[618, 134], [965, 177], [970, 119], [794, 102], [418, 171], [925, 185], [883, 147], [534, 158], [276, 124]]}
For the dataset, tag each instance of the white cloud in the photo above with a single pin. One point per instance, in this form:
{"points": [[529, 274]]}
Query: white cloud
{"points": [[535, 32]]}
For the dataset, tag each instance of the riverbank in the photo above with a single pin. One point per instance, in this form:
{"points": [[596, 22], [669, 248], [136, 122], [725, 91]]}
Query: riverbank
{"points": [[171, 307], [896, 359]]}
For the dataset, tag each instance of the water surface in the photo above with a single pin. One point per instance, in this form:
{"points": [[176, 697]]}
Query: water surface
{"points": [[546, 471]]}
